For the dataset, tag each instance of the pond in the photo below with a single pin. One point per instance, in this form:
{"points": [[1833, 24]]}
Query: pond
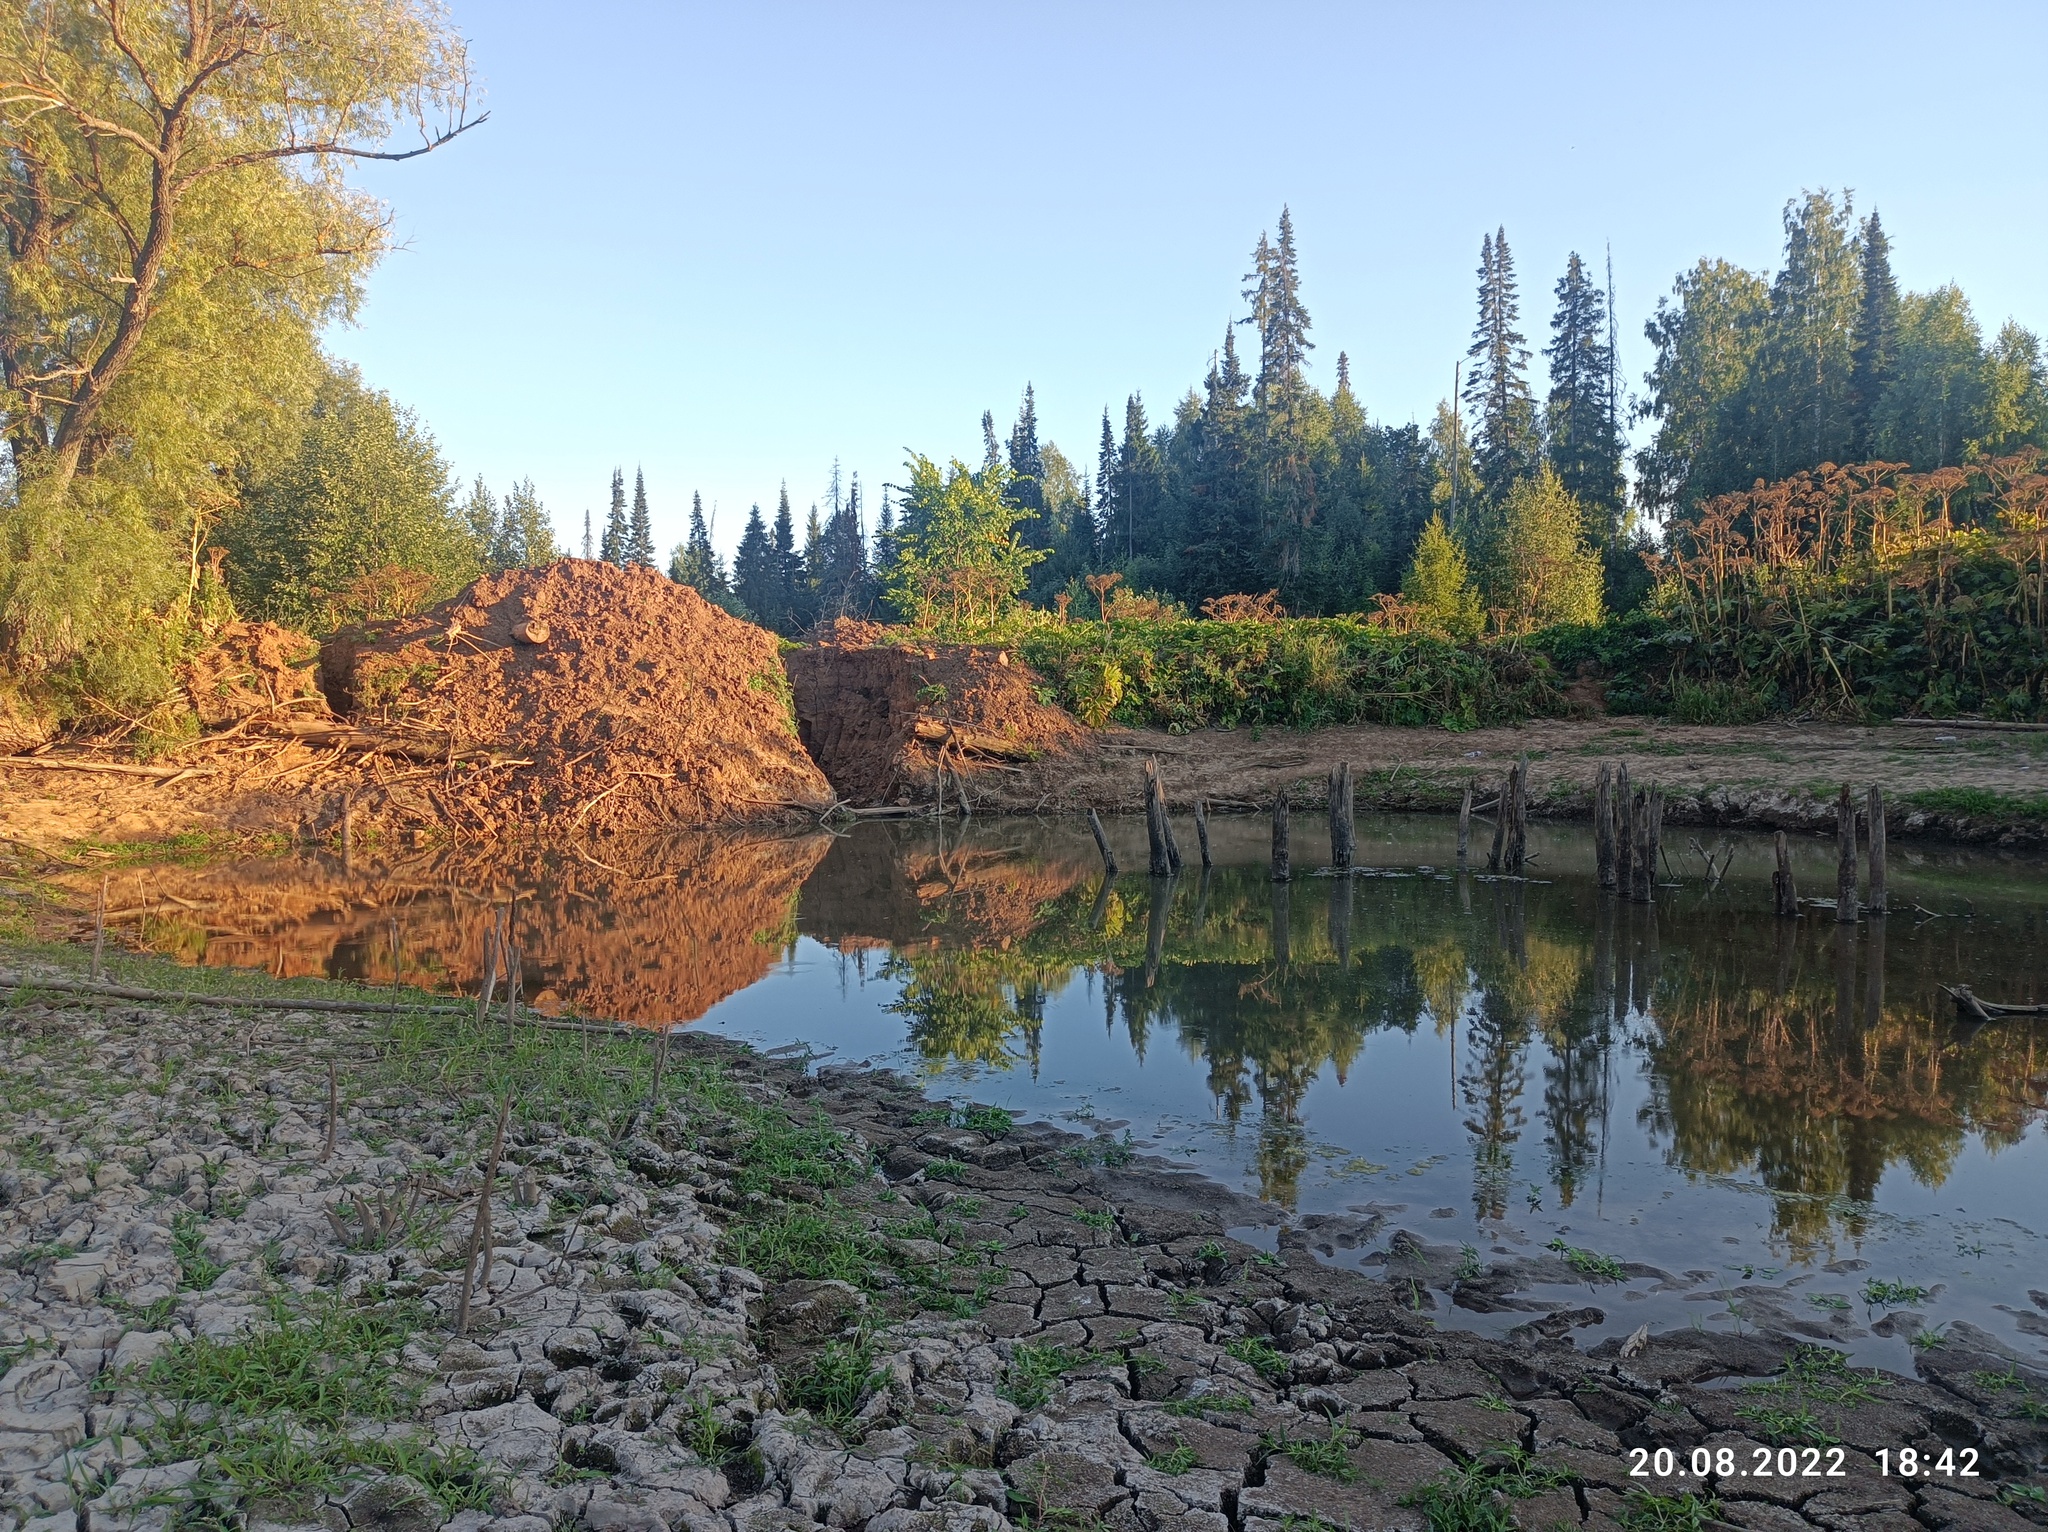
{"points": [[1717, 1117]]}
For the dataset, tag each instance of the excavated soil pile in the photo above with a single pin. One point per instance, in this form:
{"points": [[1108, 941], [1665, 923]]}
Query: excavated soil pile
{"points": [[884, 722], [578, 695], [250, 669]]}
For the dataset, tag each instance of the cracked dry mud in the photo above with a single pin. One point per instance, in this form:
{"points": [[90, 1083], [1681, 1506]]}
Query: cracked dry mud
{"points": [[1030, 1330]]}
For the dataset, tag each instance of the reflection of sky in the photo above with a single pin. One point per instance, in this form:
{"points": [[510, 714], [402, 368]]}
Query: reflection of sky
{"points": [[1403, 1112]]}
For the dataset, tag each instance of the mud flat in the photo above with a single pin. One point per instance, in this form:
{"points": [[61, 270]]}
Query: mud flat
{"points": [[718, 1291]]}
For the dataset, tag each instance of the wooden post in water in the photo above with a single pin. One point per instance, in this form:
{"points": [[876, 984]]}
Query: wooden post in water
{"points": [[1500, 823], [1202, 829], [1656, 835], [1603, 825], [1642, 874], [1845, 857], [1624, 835], [1166, 825], [1160, 864], [1102, 844], [1517, 812], [1341, 838], [1465, 826], [1282, 868], [1784, 897], [1879, 898]]}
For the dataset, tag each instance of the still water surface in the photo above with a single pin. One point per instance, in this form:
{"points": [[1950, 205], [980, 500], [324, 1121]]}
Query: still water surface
{"points": [[1765, 1115]]}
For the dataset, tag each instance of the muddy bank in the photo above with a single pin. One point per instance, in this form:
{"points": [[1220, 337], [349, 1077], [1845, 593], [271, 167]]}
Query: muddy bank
{"points": [[751, 1298], [1975, 785]]}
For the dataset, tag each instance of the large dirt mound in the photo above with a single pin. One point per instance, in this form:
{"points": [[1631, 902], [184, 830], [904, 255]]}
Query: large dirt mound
{"points": [[885, 722], [578, 695]]}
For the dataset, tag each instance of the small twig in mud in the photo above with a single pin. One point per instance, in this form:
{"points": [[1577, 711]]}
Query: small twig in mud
{"points": [[480, 1230], [99, 934], [333, 1099]]}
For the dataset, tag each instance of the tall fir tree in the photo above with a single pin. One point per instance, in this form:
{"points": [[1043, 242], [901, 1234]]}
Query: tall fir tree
{"points": [[843, 578], [1800, 390], [1220, 539], [696, 563], [789, 566], [1582, 445], [756, 580], [586, 533], [1026, 488], [1287, 471], [1109, 542], [640, 529], [991, 450], [618, 532], [1876, 340], [1504, 440]]}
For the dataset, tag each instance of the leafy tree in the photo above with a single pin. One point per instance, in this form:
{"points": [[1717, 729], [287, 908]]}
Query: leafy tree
{"points": [[525, 535], [1534, 564], [1801, 398], [640, 527], [1584, 447], [2016, 392], [618, 532], [1938, 399], [1876, 339], [170, 182], [960, 563], [177, 226], [756, 575], [360, 522], [1439, 583], [480, 520], [1497, 384], [1707, 335]]}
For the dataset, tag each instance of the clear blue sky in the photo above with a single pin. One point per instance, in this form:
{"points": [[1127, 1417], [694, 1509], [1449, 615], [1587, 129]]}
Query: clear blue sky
{"points": [[730, 243]]}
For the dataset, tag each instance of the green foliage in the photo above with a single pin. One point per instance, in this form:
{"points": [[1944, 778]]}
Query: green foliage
{"points": [[1439, 584], [1329, 1457], [359, 523], [1880, 1294], [1259, 1354], [1033, 1370], [1302, 673], [1534, 563], [1588, 1263], [196, 1270], [1687, 1511], [960, 563], [1175, 1462], [1479, 1496], [836, 1382]]}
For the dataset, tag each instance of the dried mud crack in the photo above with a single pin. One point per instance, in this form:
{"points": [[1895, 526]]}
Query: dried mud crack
{"points": [[725, 1293]]}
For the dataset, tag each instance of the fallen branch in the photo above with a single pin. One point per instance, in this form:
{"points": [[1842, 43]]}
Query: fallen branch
{"points": [[161, 773], [1970, 1008]]}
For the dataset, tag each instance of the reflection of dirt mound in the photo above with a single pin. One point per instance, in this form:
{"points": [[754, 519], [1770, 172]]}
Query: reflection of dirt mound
{"points": [[662, 935], [881, 722], [904, 890], [599, 697], [252, 668]]}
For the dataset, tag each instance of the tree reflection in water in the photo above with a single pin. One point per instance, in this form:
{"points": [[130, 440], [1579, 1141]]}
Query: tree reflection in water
{"points": [[1794, 1054]]}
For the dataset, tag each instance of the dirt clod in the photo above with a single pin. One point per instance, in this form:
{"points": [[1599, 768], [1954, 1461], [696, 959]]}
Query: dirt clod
{"points": [[253, 668]]}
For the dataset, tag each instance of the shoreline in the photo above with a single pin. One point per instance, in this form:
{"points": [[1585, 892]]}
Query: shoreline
{"points": [[753, 1297]]}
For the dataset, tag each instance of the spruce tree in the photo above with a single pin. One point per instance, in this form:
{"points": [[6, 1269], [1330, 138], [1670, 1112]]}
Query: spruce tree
{"points": [[1582, 445], [789, 566], [991, 453], [1278, 315], [586, 532], [696, 563], [1497, 384], [756, 580], [640, 531], [618, 532], [1106, 513], [1026, 488], [1877, 332]]}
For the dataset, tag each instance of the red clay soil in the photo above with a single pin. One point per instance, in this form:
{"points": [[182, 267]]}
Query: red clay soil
{"points": [[253, 668], [883, 722], [576, 696]]}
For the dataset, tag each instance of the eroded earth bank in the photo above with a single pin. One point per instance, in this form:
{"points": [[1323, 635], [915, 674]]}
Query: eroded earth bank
{"points": [[724, 1294]]}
